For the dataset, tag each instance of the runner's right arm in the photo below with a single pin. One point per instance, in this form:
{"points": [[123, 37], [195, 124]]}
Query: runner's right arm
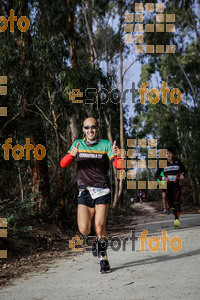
{"points": [[67, 159], [158, 173]]}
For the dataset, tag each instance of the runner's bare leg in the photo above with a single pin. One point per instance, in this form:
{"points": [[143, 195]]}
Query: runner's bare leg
{"points": [[100, 219], [84, 216], [165, 203], [164, 200]]}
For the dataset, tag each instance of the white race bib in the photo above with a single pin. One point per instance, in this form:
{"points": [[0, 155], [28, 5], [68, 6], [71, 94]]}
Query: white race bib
{"points": [[97, 192], [172, 177]]}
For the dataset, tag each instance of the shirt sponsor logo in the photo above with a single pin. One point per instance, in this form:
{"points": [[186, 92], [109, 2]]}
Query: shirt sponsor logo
{"points": [[90, 155], [171, 168]]}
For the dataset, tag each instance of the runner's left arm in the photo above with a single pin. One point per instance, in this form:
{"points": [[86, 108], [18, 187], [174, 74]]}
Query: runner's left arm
{"points": [[118, 162], [182, 169]]}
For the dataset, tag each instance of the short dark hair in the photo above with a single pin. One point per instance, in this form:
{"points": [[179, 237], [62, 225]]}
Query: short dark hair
{"points": [[170, 149]]}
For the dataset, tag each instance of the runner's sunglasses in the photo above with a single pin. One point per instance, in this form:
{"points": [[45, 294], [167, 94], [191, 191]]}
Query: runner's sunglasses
{"points": [[92, 127]]}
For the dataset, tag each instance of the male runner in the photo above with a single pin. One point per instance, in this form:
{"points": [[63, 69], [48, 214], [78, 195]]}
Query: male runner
{"points": [[173, 173], [163, 192], [93, 157]]}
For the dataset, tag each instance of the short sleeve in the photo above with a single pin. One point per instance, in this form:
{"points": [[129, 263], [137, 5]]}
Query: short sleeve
{"points": [[183, 170], [109, 150]]}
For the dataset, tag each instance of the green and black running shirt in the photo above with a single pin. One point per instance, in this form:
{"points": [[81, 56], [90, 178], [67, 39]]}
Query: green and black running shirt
{"points": [[93, 163]]}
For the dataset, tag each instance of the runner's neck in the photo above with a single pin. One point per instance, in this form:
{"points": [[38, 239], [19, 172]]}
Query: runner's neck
{"points": [[91, 143], [171, 161]]}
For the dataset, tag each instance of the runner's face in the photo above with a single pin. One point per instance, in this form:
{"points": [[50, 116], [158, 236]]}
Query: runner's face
{"points": [[169, 156], [90, 133]]}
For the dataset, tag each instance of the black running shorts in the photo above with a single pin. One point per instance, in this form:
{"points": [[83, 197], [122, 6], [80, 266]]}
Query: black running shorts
{"points": [[87, 200], [173, 194]]}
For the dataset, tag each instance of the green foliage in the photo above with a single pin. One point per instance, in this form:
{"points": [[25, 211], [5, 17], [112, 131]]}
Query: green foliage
{"points": [[18, 213]]}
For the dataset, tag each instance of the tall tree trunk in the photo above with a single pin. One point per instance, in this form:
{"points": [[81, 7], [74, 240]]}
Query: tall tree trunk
{"points": [[39, 168], [90, 33], [90, 22], [121, 118], [73, 128], [58, 146], [73, 119], [121, 104], [73, 57], [109, 134], [72, 47], [52, 112]]}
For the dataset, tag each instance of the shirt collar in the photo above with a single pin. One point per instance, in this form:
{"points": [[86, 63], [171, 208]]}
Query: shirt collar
{"points": [[91, 143]]}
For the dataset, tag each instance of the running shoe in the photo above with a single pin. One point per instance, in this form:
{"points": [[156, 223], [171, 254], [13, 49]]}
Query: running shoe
{"points": [[168, 211], [176, 224], [104, 266], [165, 211]]}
